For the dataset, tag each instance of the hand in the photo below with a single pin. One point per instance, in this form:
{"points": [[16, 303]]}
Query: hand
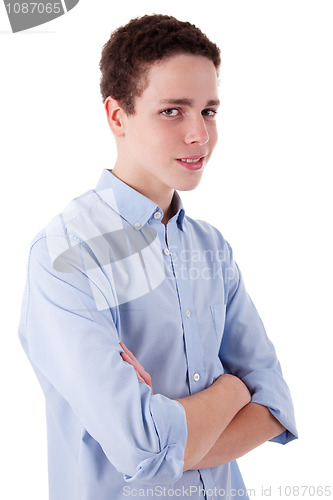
{"points": [[142, 375]]}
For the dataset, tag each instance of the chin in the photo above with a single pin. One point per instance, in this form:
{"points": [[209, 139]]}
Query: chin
{"points": [[191, 180], [189, 184]]}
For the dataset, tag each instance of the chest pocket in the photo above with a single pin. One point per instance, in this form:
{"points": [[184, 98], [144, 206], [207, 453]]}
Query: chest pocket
{"points": [[218, 314]]}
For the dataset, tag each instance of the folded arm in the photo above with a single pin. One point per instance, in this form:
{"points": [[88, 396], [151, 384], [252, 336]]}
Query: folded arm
{"points": [[247, 352], [222, 424], [208, 413], [251, 427]]}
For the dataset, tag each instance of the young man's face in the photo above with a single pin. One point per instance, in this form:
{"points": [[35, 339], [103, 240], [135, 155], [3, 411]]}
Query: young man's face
{"points": [[170, 138]]}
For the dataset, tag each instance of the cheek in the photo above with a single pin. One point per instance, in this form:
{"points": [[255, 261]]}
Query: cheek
{"points": [[163, 137], [213, 136]]}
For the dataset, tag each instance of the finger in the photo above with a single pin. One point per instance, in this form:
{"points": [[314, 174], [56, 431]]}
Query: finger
{"points": [[139, 377], [130, 354], [144, 376], [126, 358], [131, 360], [129, 357], [135, 362]]}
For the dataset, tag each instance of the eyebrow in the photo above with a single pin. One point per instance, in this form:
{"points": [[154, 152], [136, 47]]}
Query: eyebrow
{"points": [[188, 102]]}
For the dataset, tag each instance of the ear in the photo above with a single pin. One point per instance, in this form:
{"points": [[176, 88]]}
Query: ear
{"points": [[115, 113]]}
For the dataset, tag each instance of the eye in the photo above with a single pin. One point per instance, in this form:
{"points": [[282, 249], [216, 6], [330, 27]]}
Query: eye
{"points": [[170, 112], [209, 112]]}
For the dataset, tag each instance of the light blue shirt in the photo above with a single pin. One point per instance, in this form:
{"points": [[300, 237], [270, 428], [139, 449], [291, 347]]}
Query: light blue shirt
{"points": [[107, 270]]}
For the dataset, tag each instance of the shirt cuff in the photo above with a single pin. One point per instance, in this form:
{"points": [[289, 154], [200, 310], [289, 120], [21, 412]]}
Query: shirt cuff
{"points": [[167, 465], [268, 388]]}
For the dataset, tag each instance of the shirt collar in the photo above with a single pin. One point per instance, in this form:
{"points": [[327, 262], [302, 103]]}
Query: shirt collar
{"points": [[133, 206]]}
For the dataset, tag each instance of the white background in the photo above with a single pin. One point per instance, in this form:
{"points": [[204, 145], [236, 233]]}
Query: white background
{"points": [[267, 188]]}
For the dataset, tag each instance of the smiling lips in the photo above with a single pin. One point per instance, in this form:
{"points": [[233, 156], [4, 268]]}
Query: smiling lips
{"points": [[192, 163]]}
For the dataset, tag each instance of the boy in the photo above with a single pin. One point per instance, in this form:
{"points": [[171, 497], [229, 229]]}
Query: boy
{"points": [[122, 279]]}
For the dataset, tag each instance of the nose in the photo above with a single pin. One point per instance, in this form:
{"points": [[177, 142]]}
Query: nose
{"points": [[197, 132]]}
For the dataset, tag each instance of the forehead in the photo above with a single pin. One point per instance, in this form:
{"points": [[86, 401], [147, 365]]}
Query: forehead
{"points": [[182, 76]]}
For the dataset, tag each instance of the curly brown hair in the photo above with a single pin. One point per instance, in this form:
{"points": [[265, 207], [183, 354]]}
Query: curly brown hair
{"points": [[133, 48]]}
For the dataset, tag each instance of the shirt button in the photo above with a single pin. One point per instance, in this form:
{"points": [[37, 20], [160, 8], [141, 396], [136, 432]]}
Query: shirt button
{"points": [[196, 377], [188, 313], [157, 215], [166, 251], [137, 225]]}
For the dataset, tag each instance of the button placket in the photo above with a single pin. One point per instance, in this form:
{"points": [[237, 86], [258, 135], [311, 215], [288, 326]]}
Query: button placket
{"points": [[193, 348]]}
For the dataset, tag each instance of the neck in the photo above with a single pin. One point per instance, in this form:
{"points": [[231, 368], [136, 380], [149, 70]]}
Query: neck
{"points": [[161, 195], [170, 212]]}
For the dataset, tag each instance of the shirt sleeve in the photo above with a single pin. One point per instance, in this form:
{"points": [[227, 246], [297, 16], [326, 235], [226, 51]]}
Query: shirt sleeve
{"points": [[247, 352], [74, 349]]}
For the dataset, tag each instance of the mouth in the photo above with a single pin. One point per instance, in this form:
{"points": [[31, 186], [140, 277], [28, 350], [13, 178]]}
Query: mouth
{"points": [[192, 162]]}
